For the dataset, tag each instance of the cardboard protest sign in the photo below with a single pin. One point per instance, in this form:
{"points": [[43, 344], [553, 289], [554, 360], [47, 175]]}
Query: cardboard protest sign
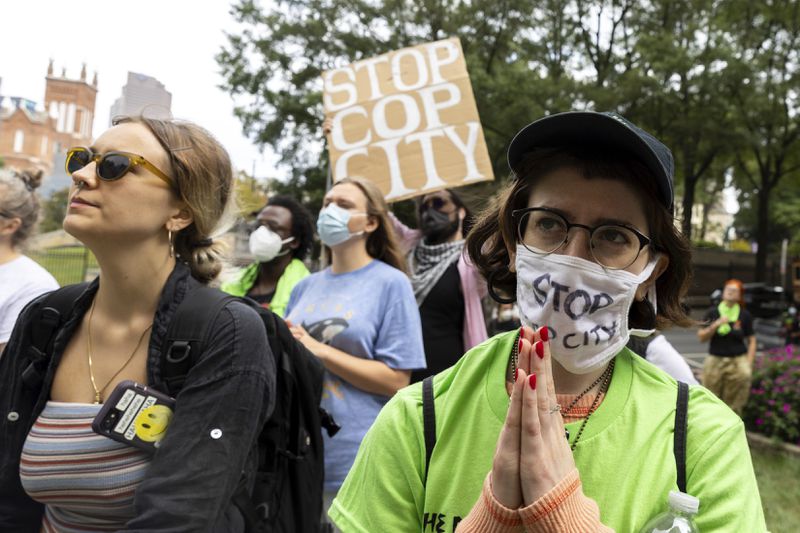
{"points": [[406, 121]]}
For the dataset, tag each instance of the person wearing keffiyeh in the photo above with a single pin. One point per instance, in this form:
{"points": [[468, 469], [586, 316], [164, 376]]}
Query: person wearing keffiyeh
{"points": [[447, 288]]}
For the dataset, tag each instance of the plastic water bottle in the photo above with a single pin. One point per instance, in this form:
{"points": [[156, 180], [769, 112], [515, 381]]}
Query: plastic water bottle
{"points": [[679, 518]]}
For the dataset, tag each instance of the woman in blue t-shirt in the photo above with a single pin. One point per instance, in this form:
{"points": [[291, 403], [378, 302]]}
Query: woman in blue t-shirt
{"points": [[359, 317]]}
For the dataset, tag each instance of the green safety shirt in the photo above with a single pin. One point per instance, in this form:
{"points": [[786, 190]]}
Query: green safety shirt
{"points": [[625, 455], [244, 280]]}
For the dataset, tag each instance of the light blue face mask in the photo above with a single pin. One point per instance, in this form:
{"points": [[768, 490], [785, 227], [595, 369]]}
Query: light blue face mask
{"points": [[332, 225]]}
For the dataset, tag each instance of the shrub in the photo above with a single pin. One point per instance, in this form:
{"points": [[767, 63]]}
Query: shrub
{"points": [[774, 405]]}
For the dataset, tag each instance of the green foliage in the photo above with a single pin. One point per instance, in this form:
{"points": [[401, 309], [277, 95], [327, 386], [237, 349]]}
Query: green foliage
{"points": [[54, 209], [765, 63], [716, 80], [774, 404], [68, 264], [250, 195]]}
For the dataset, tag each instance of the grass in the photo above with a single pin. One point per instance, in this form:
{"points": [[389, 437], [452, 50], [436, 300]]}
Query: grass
{"points": [[778, 476], [68, 264]]}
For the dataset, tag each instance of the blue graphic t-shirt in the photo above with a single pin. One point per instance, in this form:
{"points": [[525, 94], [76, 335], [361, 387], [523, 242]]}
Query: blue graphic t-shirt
{"points": [[370, 313]]}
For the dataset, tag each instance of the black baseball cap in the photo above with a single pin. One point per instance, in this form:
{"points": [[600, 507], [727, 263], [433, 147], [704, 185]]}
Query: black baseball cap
{"points": [[598, 129]]}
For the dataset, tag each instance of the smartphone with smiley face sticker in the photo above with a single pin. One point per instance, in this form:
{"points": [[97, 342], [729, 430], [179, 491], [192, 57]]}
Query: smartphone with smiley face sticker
{"points": [[135, 415]]}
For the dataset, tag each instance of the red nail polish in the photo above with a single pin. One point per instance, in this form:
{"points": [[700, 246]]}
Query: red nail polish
{"points": [[519, 346], [544, 333], [539, 347], [516, 373], [532, 381], [521, 332]]}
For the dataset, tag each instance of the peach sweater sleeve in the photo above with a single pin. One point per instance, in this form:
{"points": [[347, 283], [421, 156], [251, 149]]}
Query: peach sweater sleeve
{"points": [[490, 516], [563, 509]]}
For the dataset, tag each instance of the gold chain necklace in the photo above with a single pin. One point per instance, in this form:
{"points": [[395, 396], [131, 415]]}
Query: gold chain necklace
{"points": [[89, 352]]}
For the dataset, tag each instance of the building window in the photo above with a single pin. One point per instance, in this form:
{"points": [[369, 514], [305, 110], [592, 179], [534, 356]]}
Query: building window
{"points": [[19, 140], [71, 118], [44, 146], [62, 117]]}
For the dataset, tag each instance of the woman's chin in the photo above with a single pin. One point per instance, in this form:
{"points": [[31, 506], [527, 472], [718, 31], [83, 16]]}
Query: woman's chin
{"points": [[77, 227]]}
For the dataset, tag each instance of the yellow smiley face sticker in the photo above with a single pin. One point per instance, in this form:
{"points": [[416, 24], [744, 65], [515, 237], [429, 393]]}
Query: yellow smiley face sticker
{"points": [[151, 424]]}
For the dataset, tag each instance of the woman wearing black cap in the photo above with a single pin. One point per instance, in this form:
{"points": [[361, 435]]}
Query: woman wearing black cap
{"points": [[583, 239]]}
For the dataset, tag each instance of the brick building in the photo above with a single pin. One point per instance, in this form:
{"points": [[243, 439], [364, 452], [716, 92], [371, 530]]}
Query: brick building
{"points": [[33, 135]]}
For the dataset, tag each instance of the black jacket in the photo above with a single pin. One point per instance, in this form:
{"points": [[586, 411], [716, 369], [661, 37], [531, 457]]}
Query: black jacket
{"points": [[192, 477]]}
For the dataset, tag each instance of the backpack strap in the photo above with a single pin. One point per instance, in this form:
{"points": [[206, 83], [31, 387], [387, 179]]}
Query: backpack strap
{"points": [[681, 424], [187, 332], [53, 311], [428, 421]]}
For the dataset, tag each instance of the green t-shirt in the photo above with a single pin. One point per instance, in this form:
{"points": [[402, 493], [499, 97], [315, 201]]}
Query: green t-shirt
{"points": [[244, 280], [625, 455]]}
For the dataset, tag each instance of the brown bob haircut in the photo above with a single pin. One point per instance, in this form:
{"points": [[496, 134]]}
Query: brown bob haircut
{"points": [[494, 232]]}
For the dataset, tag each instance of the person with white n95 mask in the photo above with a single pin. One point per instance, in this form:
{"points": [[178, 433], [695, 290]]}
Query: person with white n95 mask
{"points": [[281, 241]]}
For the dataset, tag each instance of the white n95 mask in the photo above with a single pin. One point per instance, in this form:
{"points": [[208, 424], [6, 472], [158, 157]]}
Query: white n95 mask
{"points": [[584, 306], [265, 244]]}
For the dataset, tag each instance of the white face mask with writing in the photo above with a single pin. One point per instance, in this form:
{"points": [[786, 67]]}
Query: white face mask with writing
{"points": [[584, 306]]}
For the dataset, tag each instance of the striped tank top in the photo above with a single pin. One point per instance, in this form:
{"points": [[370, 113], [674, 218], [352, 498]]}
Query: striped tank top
{"points": [[85, 480]]}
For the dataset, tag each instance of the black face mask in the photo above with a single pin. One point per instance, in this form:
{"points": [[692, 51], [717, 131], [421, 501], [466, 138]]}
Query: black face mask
{"points": [[437, 227]]}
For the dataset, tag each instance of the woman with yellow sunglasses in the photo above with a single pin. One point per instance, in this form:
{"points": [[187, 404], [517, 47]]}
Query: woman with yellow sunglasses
{"points": [[147, 199]]}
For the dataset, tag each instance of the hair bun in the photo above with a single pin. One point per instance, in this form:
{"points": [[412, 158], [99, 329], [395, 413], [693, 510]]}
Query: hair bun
{"points": [[31, 179]]}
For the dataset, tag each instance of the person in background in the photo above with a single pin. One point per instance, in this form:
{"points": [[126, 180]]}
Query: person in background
{"points": [[505, 317], [582, 237], [21, 278], [279, 244], [658, 350], [732, 349], [447, 287], [147, 198], [359, 317]]}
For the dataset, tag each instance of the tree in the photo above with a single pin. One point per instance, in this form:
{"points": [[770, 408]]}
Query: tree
{"points": [[250, 194], [708, 77], [273, 66], [54, 209], [764, 39]]}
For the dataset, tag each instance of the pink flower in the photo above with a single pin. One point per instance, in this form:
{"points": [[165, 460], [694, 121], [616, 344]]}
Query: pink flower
{"points": [[787, 408], [759, 422]]}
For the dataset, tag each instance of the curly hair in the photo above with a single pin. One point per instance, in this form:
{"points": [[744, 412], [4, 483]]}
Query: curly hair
{"points": [[302, 225], [18, 199]]}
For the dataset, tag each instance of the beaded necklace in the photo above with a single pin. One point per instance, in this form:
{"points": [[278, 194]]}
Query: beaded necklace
{"points": [[604, 380]]}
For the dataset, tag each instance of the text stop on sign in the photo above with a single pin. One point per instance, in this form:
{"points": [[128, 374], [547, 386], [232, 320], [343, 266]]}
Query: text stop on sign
{"points": [[407, 121]]}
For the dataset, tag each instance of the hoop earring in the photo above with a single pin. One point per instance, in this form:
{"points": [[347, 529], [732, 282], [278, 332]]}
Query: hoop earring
{"points": [[171, 243], [490, 288]]}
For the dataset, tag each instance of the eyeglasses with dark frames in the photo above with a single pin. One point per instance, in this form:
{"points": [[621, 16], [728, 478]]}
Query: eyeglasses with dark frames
{"points": [[544, 231], [110, 166]]}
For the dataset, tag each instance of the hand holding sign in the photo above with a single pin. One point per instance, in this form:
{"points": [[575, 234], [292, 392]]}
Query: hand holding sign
{"points": [[532, 454], [406, 120]]}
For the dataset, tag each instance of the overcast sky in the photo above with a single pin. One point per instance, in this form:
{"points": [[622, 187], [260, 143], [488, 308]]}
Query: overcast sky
{"points": [[174, 41]]}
